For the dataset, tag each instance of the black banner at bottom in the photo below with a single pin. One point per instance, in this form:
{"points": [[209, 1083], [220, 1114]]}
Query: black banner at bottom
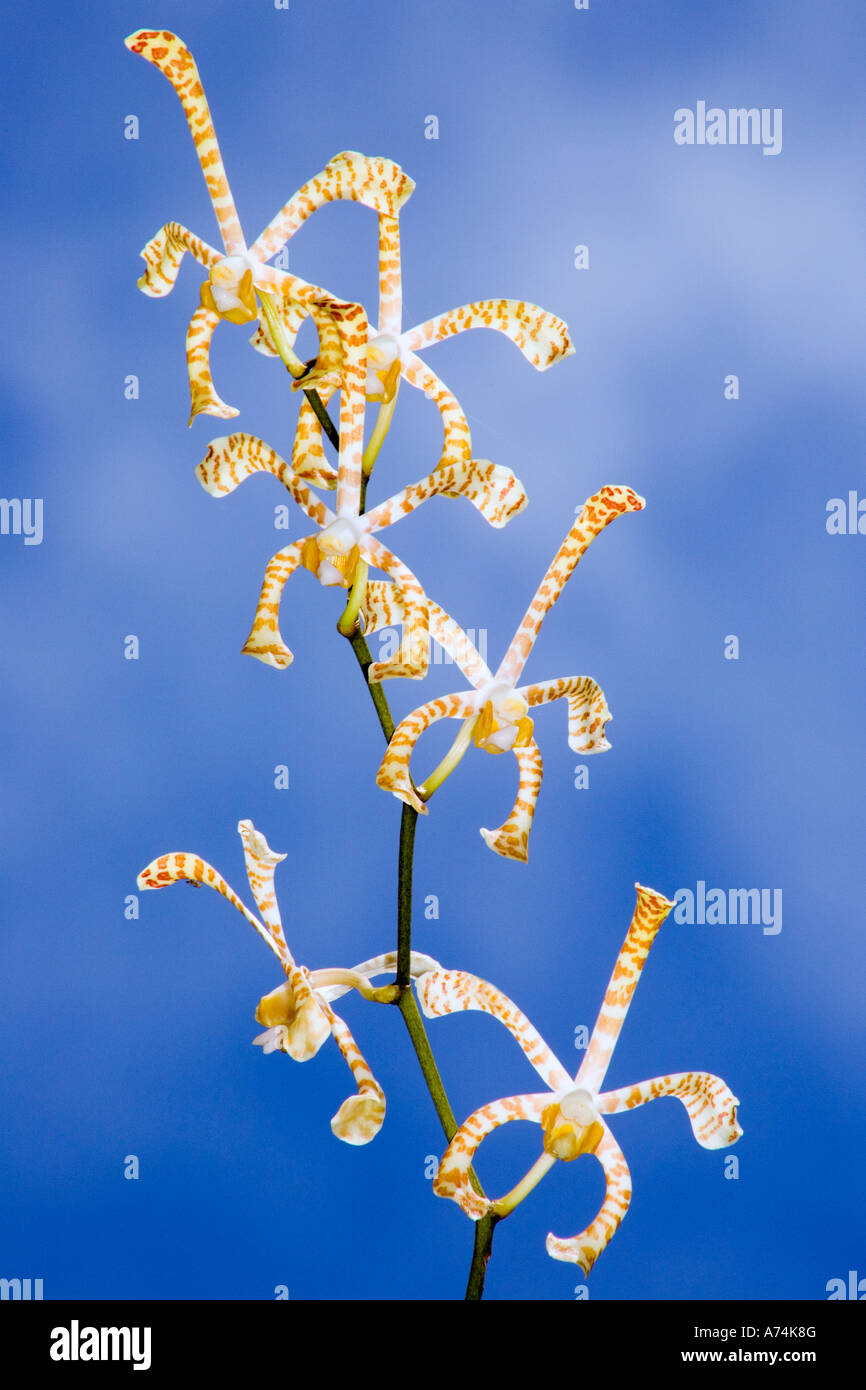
{"points": [[267, 1341]]}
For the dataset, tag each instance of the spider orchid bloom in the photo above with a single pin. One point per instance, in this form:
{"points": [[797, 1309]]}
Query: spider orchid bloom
{"points": [[496, 712], [234, 277], [297, 1015], [346, 539], [540, 336], [571, 1112]]}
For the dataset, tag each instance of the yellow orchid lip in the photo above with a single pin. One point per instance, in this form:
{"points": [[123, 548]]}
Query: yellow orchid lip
{"points": [[229, 295], [571, 1127], [497, 718], [384, 366], [328, 565], [276, 1008]]}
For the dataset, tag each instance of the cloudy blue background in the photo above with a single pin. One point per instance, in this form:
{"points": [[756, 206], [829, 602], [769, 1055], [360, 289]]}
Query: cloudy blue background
{"points": [[124, 1037]]}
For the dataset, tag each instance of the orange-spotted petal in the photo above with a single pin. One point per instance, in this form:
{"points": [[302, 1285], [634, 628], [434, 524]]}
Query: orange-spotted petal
{"points": [[454, 991], [710, 1104], [178, 866], [585, 1248], [597, 512], [651, 909], [540, 336], [511, 839], [376, 182], [453, 1177], [233, 458], [168, 53]]}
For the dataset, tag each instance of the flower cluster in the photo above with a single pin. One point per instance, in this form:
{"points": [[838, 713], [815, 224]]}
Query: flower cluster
{"points": [[364, 365]]}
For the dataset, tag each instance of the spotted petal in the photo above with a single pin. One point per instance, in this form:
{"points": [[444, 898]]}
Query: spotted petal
{"points": [[598, 511], [360, 1117], [235, 457], [413, 655], [457, 444], [168, 53], [493, 489], [585, 1248], [588, 713], [261, 861], [393, 775], [172, 868], [265, 641], [384, 606], [164, 253], [452, 991], [453, 1179], [540, 336], [711, 1106], [204, 399], [650, 911], [511, 839], [377, 182]]}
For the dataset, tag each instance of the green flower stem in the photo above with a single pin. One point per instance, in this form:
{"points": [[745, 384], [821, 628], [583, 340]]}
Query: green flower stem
{"points": [[480, 1255], [296, 367], [406, 1002], [405, 857], [408, 1007], [364, 657], [323, 417]]}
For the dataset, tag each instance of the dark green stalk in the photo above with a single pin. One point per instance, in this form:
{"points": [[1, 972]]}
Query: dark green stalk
{"points": [[421, 1043], [324, 418], [406, 1001], [405, 857], [365, 660], [480, 1255]]}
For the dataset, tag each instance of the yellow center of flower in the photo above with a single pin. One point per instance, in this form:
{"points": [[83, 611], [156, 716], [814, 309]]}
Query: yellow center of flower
{"points": [[278, 1007], [571, 1126], [383, 368], [503, 722], [229, 291], [333, 556]]}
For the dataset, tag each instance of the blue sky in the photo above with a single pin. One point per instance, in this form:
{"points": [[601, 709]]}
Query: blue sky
{"points": [[133, 1037]]}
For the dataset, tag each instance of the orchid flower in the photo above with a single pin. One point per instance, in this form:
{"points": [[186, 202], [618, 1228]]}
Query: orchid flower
{"points": [[540, 336], [298, 1014], [346, 539], [571, 1111], [233, 278], [496, 711]]}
